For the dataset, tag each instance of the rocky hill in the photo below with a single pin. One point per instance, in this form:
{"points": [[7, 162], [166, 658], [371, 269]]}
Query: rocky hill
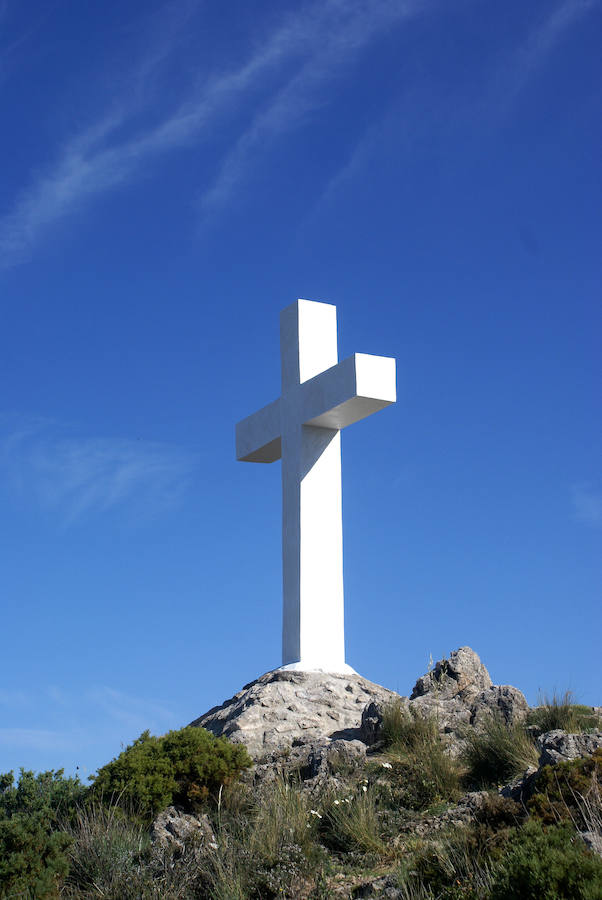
{"points": [[291, 709]]}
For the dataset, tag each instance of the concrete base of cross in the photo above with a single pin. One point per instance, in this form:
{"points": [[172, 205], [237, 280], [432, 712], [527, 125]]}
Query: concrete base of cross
{"points": [[301, 666]]}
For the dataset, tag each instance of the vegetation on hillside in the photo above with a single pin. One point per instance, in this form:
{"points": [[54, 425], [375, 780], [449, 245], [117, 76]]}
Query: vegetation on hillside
{"points": [[398, 820], [185, 767]]}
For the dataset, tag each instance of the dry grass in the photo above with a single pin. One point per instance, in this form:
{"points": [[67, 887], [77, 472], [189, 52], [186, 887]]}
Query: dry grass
{"points": [[497, 752], [561, 712]]}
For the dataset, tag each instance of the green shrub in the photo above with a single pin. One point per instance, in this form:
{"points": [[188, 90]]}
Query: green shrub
{"points": [[497, 752], [183, 767], [561, 712], [563, 792], [49, 791], [33, 858], [547, 864]]}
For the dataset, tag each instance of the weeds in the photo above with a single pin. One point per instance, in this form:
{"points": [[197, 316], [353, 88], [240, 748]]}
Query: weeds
{"points": [[283, 814], [497, 752], [421, 772], [570, 791], [561, 712], [351, 824]]}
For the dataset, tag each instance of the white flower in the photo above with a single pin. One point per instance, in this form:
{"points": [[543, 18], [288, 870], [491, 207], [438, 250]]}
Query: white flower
{"points": [[314, 812], [336, 802], [386, 765], [364, 788]]}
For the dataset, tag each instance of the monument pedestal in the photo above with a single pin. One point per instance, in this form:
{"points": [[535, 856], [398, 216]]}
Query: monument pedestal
{"points": [[341, 669]]}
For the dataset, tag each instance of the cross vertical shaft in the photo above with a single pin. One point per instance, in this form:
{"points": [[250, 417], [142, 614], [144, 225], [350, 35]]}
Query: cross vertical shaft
{"points": [[312, 537]]}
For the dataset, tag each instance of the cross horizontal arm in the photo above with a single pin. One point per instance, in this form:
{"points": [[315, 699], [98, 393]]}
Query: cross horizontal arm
{"points": [[258, 436], [353, 389]]}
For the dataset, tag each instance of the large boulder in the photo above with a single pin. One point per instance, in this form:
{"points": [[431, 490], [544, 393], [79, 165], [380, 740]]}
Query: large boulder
{"points": [[461, 675], [173, 829], [560, 746], [457, 693], [284, 709]]}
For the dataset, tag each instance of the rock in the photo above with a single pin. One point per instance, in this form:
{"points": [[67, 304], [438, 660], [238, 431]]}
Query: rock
{"points": [[520, 788], [501, 700], [372, 719], [314, 763], [384, 888], [283, 709], [460, 675], [286, 709], [457, 693], [336, 758], [560, 746], [592, 841], [173, 829]]}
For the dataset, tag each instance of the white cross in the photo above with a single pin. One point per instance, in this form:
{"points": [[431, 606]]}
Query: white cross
{"points": [[319, 397]]}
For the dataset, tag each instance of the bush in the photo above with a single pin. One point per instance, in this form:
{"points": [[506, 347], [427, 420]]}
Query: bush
{"points": [[183, 767], [562, 712], [497, 752], [547, 864], [567, 790], [33, 858]]}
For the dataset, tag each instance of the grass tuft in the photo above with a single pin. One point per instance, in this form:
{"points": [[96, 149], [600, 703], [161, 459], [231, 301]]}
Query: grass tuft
{"points": [[561, 712], [497, 752]]}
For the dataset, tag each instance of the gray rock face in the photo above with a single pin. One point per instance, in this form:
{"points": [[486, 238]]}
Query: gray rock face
{"points": [[559, 746], [317, 764], [458, 692], [289, 709], [592, 841], [461, 675], [284, 709], [172, 829], [503, 700]]}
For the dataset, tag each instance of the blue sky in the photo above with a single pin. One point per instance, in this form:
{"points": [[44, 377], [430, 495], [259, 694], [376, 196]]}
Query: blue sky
{"points": [[174, 174]]}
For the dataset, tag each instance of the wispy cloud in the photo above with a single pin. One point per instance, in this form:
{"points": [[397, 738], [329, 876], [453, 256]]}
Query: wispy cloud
{"points": [[303, 52], [287, 76], [338, 36], [587, 503], [116, 713], [534, 52], [136, 714], [35, 739], [77, 476], [417, 112]]}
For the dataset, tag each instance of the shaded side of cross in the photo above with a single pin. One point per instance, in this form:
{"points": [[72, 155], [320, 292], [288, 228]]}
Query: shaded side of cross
{"points": [[320, 396]]}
